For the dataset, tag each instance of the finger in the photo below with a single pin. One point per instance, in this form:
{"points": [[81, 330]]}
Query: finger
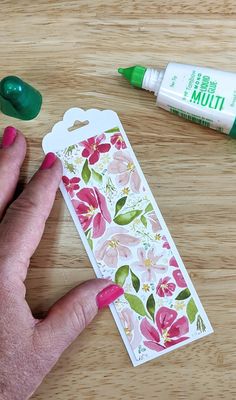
{"points": [[23, 225], [72, 313], [12, 154]]}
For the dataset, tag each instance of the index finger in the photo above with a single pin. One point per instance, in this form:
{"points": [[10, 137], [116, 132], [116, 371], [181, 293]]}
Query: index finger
{"points": [[23, 225], [12, 154]]}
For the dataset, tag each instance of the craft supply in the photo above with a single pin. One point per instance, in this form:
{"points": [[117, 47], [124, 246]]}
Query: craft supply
{"points": [[18, 99], [205, 96], [125, 235]]}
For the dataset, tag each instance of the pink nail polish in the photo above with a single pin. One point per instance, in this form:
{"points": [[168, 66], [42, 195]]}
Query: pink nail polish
{"points": [[48, 161], [9, 136], [108, 295]]}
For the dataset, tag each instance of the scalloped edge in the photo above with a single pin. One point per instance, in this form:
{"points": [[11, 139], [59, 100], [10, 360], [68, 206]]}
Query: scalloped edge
{"points": [[60, 137]]}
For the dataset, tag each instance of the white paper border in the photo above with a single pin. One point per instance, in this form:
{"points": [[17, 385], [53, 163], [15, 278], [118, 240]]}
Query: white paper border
{"points": [[100, 121]]}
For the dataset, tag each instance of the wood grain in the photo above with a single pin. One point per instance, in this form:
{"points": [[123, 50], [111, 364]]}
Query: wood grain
{"points": [[70, 51]]}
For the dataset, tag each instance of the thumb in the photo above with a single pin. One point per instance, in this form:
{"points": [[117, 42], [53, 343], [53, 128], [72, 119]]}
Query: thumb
{"points": [[69, 316]]}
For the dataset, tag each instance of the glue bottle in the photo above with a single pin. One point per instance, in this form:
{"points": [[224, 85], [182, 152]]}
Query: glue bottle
{"points": [[202, 95]]}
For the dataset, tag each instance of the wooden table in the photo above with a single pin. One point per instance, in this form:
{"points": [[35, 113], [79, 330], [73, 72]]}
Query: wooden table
{"points": [[70, 51]]}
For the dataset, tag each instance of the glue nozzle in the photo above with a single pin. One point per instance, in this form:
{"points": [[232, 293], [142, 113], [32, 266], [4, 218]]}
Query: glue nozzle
{"points": [[134, 74], [121, 71]]}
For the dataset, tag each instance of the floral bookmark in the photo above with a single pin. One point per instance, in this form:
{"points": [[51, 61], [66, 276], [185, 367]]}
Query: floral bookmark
{"points": [[125, 235]]}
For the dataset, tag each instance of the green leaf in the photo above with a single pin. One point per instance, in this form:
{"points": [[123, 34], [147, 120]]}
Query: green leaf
{"points": [[136, 304], [69, 150], [135, 281], [191, 310], [183, 295], [90, 242], [121, 275], [88, 235], [200, 324], [96, 176], [151, 306], [87, 232], [86, 173], [70, 167], [149, 208], [113, 130], [120, 204], [110, 186], [125, 219], [144, 221]]}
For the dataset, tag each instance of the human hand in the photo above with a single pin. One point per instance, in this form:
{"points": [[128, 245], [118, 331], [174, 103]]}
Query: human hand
{"points": [[29, 347]]}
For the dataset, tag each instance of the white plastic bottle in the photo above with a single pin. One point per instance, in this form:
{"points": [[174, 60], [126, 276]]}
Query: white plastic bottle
{"points": [[202, 95]]}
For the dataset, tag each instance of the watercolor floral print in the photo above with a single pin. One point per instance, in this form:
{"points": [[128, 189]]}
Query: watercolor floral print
{"points": [[91, 208], [148, 264], [168, 329], [131, 327], [123, 168], [115, 246], [71, 185], [94, 147], [158, 309]]}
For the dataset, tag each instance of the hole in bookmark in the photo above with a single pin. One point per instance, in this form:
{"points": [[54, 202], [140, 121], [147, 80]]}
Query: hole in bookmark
{"points": [[78, 124]]}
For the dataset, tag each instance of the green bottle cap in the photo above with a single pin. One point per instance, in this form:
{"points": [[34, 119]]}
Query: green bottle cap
{"points": [[134, 74], [18, 99]]}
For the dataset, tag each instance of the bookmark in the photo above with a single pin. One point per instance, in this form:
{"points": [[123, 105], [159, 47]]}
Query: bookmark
{"points": [[125, 235]]}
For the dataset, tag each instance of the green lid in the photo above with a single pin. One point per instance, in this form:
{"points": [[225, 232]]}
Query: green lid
{"points": [[18, 99], [134, 74]]}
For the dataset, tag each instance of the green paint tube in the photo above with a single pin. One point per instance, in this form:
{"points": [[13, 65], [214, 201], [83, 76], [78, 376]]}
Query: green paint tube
{"points": [[202, 95]]}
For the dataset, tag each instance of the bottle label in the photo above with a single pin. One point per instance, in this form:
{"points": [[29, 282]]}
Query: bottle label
{"points": [[202, 95]]}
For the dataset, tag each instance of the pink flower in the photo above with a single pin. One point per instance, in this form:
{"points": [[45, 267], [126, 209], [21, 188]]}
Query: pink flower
{"points": [[131, 327], [173, 262], [179, 279], [156, 226], [92, 210], [123, 166], [71, 184], [165, 244], [168, 332], [114, 246], [164, 288], [118, 141], [93, 148], [147, 264]]}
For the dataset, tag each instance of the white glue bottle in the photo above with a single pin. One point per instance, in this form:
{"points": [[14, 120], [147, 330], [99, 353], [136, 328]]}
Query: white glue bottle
{"points": [[202, 95]]}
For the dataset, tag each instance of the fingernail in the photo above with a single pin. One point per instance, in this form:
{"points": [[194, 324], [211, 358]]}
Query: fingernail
{"points": [[9, 136], [108, 295], [48, 161]]}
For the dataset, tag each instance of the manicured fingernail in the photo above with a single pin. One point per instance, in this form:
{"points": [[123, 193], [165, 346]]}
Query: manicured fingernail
{"points": [[108, 295], [9, 136], [48, 161]]}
